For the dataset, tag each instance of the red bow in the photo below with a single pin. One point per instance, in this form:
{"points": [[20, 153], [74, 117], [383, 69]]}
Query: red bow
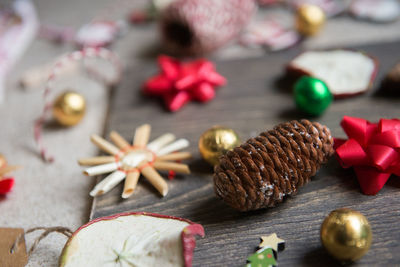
{"points": [[373, 149], [180, 82], [6, 185]]}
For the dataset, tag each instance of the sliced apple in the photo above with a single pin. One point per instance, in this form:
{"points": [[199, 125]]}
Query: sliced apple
{"points": [[132, 239], [346, 72]]}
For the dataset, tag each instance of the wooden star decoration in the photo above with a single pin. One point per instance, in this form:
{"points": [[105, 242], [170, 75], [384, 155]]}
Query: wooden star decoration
{"points": [[272, 241], [128, 161]]}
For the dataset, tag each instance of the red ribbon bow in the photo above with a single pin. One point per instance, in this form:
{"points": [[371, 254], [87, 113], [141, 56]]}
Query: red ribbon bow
{"points": [[180, 82], [6, 184], [373, 149]]}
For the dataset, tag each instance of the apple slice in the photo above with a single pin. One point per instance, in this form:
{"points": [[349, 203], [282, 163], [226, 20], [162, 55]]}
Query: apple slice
{"points": [[346, 72], [132, 239]]}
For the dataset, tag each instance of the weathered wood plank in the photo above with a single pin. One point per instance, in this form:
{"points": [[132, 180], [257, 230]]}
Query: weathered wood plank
{"points": [[255, 99]]}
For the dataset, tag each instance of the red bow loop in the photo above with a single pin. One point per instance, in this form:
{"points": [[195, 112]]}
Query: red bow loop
{"points": [[351, 153], [169, 67], [388, 138], [389, 125], [6, 184], [355, 128], [181, 82], [382, 156], [373, 149]]}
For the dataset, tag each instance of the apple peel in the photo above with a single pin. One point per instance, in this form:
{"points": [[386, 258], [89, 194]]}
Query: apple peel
{"points": [[346, 72], [132, 239]]}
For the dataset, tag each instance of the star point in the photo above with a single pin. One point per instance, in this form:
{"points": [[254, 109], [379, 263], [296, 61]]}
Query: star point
{"points": [[272, 241]]}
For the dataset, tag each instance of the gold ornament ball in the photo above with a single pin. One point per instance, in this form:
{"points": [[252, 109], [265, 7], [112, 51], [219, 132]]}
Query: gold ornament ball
{"points": [[346, 234], [309, 19], [217, 141], [69, 108]]}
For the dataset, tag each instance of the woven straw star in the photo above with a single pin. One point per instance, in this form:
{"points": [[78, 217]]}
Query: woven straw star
{"points": [[128, 161]]}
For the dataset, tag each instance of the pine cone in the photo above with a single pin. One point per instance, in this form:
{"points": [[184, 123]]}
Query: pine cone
{"points": [[191, 27], [260, 172]]}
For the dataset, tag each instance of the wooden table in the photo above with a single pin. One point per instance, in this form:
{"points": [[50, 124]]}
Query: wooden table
{"points": [[256, 98]]}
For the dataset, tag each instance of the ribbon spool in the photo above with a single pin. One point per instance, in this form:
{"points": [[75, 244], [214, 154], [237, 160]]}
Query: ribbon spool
{"points": [[191, 27]]}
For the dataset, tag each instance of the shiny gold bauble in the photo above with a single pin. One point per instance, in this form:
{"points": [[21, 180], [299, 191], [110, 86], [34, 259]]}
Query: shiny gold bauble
{"points": [[309, 19], [69, 108], [217, 141], [346, 234]]}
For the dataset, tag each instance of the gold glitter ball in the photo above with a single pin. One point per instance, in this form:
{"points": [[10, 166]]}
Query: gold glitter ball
{"points": [[217, 141], [309, 19], [346, 234], [69, 108]]}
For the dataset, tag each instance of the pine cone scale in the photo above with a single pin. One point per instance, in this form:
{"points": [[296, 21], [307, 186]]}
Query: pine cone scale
{"points": [[265, 169]]}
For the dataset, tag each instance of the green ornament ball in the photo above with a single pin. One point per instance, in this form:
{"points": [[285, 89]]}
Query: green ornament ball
{"points": [[312, 95]]}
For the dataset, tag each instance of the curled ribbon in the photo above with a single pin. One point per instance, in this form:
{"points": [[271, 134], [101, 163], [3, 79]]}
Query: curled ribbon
{"points": [[181, 82], [373, 150]]}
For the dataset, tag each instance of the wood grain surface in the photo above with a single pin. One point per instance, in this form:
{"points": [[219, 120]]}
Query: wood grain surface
{"points": [[257, 97]]}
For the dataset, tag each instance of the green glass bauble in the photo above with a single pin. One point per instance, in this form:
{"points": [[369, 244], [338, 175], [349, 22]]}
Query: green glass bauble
{"points": [[312, 95]]}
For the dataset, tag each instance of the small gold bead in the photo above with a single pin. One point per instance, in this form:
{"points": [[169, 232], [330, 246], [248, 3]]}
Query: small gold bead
{"points": [[309, 19], [69, 108], [216, 141]]}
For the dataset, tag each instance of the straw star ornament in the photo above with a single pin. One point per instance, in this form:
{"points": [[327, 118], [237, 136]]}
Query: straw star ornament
{"points": [[128, 161]]}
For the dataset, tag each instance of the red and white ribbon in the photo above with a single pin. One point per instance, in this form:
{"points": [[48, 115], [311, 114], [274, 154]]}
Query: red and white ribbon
{"points": [[270, 33], [77, 56]]}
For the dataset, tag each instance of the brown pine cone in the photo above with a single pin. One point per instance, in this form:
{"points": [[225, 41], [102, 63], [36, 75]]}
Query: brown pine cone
{"points": [[260, 172]]}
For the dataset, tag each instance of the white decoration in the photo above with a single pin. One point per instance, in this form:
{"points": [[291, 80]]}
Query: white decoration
{"points": [[345, 72]]}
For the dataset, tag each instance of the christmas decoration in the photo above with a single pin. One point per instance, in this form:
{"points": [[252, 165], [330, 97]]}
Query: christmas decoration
{"points": [[391, 82], [346, 234], [312, 95], [19, 23], [133, 239], [264, 257], [345, 72], [372, 149], [265, 169], [216, 141], [6, 183], [272, 241], [330, 7], [132, 160], [16, 258], [199, 27], [309, 19], [97, 34], [161, 5], [375, 10], [180, 82], [269, 33], [267, 255], [69, 108], [65, 61]]}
